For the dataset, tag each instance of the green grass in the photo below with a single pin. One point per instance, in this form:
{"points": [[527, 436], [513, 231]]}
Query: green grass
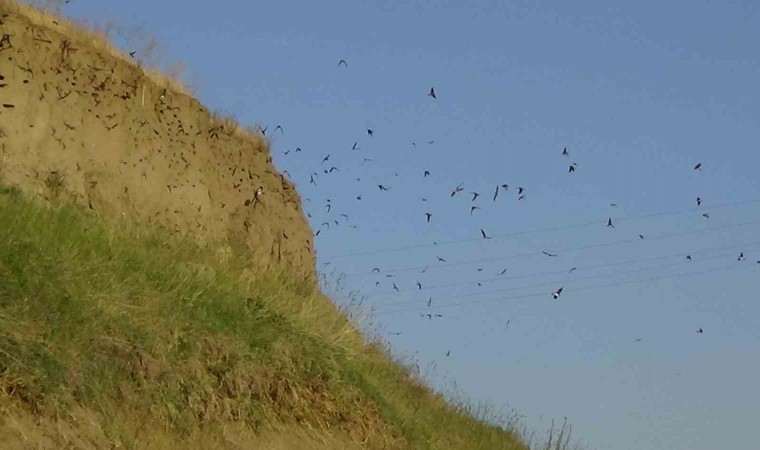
{"points": [[116, 335]]}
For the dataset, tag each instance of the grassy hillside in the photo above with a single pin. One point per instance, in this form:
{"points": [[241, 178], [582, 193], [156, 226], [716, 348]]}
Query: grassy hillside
{"points": [[117, 337]]}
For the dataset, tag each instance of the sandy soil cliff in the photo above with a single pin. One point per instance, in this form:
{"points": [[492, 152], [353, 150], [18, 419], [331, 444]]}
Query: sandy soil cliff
{"points": [[79, 121]]}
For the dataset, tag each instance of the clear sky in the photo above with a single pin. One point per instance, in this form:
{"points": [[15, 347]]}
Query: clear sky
{"points": [[638, 92]]}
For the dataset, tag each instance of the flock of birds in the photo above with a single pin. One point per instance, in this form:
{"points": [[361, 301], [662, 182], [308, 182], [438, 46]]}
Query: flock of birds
{"points": [[326, 168]]}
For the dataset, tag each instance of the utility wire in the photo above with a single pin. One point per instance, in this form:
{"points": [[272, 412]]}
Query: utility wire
{"points": [[557, 283], [566, 249], [579, 289], [580, 268], [546, 229]]}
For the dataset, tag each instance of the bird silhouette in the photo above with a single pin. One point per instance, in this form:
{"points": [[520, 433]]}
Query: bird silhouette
{"points": [[572, 168], [496, 193], [565, 152], [370, 132], [457, 189], [342, 61], [700, 330], [132, 54], [706, 216], [354, 147], [520, 190], [376, 269], [688, 257], [419, 286], [440, 259], [641, 236], [432, 93], [503, 272], [475, 196], [557, 294], [473, 208], [325, 159], [741, 257], [609, 223], [383, 188], [428, 216], [395, 287], [699, 201], [485, 236], [551, 255], [278, 127], [426, 174], [698, 166]]}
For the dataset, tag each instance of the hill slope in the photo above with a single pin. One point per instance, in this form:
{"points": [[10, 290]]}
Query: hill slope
{"points": [[139, 315], [80, 121]]}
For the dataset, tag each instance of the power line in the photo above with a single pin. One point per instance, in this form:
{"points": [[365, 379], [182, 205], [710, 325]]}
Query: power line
{"points": [[546, 229], [567, 249], [556, 283], [583, 288], [580, 268]]}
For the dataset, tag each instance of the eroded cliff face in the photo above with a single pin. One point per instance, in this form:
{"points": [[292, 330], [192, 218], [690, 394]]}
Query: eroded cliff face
{"points": [[79, 121]]}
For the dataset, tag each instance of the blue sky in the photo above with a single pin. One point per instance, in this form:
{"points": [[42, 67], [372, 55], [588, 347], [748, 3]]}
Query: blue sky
{"points": [[639, 92]]}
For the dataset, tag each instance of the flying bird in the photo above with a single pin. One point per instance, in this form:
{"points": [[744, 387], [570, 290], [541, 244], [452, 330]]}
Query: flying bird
{"points": [[699, 201], [354, 147], [325, 159], [419, 285], [395, 287], [496, 193], [698, 167], [370, 132], [366, 160], [383, 188], [432, 93], [741, 257], [700, 330], [278, 127], [503, 272], [132, 54], [485, 236], [572, 270], [520, 190], [457, 189], [428, 216], [641, 236], [572, 168], [557, 293], [706, 216], [440, 259], [376, 269], [426, 174], [564, 152], [609, 223], [551, 255], [342, 61], [473, 208], [688, 257], [475, 196]]}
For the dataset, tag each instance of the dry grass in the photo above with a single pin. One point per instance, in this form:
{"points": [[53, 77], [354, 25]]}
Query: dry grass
{"points": [[47, 14], [126, 336]]}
